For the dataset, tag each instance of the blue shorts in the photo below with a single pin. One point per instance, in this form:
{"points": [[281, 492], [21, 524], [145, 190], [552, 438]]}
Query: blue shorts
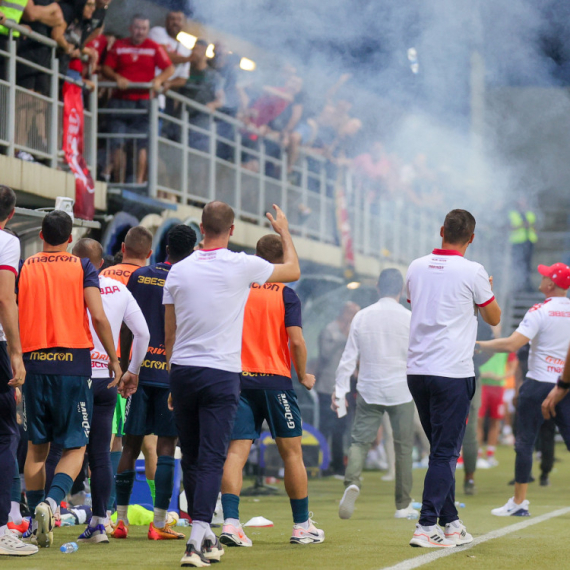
{"points": [[278, 407], [58, 409], [147, 412]]}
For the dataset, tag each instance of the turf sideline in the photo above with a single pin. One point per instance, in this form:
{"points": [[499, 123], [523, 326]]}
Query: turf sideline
{"points": [[427, 558]]}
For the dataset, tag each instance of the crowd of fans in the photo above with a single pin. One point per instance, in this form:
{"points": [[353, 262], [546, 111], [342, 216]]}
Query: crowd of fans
{"points": [[278, 112]]}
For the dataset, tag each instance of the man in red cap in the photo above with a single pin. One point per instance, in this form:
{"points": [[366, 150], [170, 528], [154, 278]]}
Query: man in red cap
{"points": [[547, 325]]}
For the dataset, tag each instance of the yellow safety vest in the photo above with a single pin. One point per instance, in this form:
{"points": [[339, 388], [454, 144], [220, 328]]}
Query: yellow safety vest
{"points": [[13, 10], [522, 229]]}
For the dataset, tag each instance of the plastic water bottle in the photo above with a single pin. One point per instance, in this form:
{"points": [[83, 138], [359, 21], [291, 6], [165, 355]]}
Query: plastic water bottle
{"points": [[413, 516], [69, 547], [416, 505], [182, 522], [460, 505]]}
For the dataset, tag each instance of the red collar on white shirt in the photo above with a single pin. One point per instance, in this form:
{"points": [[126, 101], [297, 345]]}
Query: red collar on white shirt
{"points": [[447, 252]]}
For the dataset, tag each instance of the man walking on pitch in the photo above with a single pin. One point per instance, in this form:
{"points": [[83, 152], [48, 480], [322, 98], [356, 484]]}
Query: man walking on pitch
{"points": [[205, 297], [147, 409], [12, 373], [272, 336], [119, 306], [445, 291], [55, 290], [378, 339], [547, 327]]}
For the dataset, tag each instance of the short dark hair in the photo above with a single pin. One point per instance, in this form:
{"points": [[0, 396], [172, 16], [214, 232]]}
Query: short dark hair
{"points": [[89, 248], [56, 227], [138, 242], [7, 201], [139, 16], [181, 240], [390, 282], [458, 227], [217, 218], [270, 248], [201, 42]]}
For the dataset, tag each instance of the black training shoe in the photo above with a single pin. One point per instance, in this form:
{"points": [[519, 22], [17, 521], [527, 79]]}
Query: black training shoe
{"points": [[469, 487], [544, 481]]}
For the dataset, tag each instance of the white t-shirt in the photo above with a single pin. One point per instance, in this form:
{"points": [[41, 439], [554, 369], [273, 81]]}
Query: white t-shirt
{"points": [[548, 326], [159, 35], [378, 340], [119, 305], [209, 290], [9, 259], [445, 290]]}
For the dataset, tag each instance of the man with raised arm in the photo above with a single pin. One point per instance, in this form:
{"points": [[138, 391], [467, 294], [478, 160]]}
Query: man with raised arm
{"points": [[205, 297]]}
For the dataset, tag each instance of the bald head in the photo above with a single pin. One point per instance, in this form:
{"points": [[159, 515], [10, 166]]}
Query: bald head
{"points": [[138, 243], [217, 219], [91, 249]]}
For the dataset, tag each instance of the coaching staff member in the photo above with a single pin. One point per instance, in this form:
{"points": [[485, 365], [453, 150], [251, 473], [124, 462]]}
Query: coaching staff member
{"points": [[445, 291], [204, 297]]}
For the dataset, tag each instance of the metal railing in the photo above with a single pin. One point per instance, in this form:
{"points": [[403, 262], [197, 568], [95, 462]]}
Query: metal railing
{"points": [[31, 121], [196, 155]]}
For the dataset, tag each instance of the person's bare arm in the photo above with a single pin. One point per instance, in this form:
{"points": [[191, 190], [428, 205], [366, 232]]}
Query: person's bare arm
{"points": [[175, 83], [102, 327], [110, 73], [299, 356], [9, 322], [177, 58], [169, 331], [296, 114], [557, 394], [218, 102], [491, 313], [163, 76], [289, 270], [509, 344]]}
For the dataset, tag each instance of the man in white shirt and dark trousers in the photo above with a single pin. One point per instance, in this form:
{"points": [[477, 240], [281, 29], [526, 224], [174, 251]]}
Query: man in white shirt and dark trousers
{"points": [[445, 291], [379, 338], [547, 327], [204, 298]]}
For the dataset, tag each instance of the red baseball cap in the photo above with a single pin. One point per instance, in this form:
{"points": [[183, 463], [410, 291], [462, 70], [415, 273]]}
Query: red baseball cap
{"points": [[559, 273]]}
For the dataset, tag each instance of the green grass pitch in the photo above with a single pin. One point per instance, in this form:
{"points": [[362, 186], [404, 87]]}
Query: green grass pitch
{"points": [[371, 540]]}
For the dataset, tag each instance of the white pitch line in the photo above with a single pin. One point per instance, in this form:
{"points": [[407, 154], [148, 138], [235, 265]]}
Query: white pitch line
{"points": [[430, 557]]}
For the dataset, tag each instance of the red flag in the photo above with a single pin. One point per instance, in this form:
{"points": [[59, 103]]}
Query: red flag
{"points": [[73, 148], [343, 225]]}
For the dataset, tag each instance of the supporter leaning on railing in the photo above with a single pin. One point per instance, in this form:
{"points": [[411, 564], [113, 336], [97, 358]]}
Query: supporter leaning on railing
{"points": [[134, 59]]}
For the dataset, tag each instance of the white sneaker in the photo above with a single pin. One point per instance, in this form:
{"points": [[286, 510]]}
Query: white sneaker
{"points": [[346, 507], [388, 477], [430, 537], [408, 513], [12, 546], [311, 535], [492, 462], [234, 536], [511, 509], [482, 463], [456, 532]]}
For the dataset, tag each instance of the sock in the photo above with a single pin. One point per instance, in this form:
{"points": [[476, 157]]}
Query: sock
{"points": [[16, 491], [230, 506], [3, 529], [34, 499], [115, 458], [52, 504], [300, 508], [159, 518], [507, 429], [199, 529], [95, 521], [15, 513], [490, 451], [124, 484], [233, 522], [163, 481], [210, 534], [60, 487], [152, 488], [123, 514]]}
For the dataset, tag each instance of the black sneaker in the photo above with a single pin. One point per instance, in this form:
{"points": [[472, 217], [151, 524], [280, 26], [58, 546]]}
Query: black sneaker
{"points": [[544, 481], [212, 550], [469, 487], [194, 558]]}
